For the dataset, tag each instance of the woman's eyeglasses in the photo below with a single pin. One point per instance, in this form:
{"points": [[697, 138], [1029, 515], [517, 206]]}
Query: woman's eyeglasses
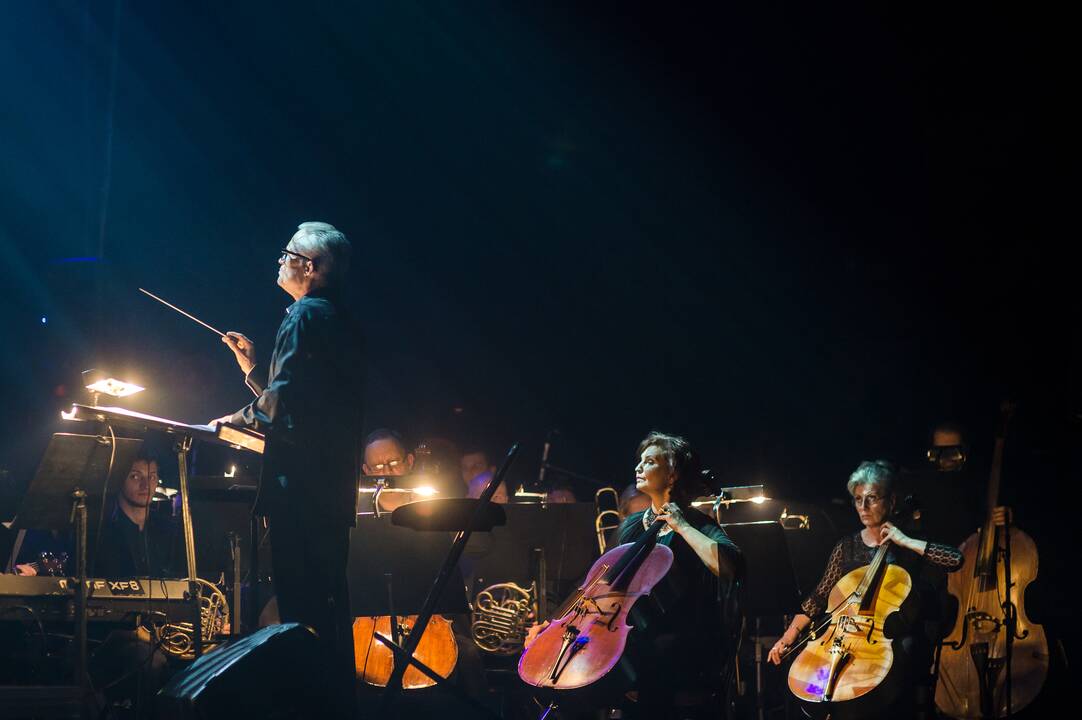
{"points": [[866, 500]]}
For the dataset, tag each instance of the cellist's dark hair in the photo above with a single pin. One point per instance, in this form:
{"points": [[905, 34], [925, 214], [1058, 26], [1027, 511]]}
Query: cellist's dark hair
{"points": [[682, 459]]}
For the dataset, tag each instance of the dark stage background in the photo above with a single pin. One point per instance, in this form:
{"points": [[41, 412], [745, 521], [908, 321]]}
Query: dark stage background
{"points": [[799, 235]]}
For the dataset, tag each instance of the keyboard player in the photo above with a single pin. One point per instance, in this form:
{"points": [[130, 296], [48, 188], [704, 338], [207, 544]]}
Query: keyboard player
{"points": [[130, 544], [125, 665]]}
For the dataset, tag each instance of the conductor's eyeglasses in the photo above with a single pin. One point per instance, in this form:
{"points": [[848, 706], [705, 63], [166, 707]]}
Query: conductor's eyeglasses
{"points": [[287, 254]]}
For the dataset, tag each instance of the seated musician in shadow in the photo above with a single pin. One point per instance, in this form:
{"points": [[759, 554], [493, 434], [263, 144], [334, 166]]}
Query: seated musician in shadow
{"points": [[134, 542], [632, 500], [127, 544], [872, 487], [481, 481], [681, 642], [385, 455], [125, 665]]}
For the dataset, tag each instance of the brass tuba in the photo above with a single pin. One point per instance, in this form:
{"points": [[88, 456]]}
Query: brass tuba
{"points": [[502, 614], [178, 639]]}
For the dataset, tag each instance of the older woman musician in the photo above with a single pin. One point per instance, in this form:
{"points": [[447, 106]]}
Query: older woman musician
{"points": [[872, 488]]}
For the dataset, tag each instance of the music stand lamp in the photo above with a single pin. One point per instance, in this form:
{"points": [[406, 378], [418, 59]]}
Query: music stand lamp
{"points": [[99, 382]]}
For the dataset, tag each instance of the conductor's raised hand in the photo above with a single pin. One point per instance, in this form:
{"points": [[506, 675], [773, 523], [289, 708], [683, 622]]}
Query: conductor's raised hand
{"points": [[243, 349]]}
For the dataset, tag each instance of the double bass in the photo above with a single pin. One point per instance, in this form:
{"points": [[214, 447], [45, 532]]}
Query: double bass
{"points": [[995, 660], [588, 636], [846, 655]]}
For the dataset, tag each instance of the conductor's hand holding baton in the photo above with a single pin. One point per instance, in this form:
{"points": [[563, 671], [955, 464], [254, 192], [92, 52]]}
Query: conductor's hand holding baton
{"points": [[243, 349]]}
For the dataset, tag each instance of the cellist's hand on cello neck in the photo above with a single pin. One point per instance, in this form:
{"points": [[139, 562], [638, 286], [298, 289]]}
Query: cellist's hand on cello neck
{"points": [[673, 517], [890, 532], [704, 547]]}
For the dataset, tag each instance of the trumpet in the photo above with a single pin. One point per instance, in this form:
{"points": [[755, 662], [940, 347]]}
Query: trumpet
{"points": [[607, 518]]}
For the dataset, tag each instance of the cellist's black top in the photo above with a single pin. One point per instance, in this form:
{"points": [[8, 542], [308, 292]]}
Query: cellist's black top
{"points": [[851, 552], [685, 601]]}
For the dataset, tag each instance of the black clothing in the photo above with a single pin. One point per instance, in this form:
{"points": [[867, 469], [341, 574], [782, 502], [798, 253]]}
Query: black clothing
{"points": [[124, 551], [850, 552], [680, 636], [952, 504], [119, 550], [310, 411]]}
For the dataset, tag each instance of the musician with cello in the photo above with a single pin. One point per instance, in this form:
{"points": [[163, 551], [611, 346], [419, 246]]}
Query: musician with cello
{"points": [[872, 487], [678, 626]]}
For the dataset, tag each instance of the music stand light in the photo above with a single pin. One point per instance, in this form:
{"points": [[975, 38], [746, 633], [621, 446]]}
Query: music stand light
{"points": [[100, 382]]}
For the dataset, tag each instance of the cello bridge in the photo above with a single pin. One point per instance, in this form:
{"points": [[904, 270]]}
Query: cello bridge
{"points": [[591, 607], [983, 623]]}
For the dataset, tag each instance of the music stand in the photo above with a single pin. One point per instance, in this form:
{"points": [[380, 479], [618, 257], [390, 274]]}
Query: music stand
{"points": [[76, 470], [770, 586], [411, 559], [478, 514]]}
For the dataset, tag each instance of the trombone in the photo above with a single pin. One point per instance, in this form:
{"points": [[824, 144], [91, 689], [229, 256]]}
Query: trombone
{"points": [[608, 518]]}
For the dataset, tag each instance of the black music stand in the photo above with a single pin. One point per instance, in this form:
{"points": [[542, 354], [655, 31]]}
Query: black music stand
{"points": [[77, 471], [564, 532], [222, 508], [770, 587], [477, 515], [391, 569]]}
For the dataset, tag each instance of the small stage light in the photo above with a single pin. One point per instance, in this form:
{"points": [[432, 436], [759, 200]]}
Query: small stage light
{"points": [[100, 382]]}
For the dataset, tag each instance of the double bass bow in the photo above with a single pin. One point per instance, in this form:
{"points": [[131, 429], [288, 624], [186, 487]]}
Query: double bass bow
{"points": [[588, 634], [995, 660]]}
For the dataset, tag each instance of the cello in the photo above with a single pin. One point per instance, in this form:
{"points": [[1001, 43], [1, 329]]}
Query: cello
{"points": [[847, 656], [588, 634], [438, 650], [995, 659]]}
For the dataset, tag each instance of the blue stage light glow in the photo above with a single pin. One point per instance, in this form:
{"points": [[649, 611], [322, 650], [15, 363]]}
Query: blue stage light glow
{"points": [[44, 320], [80, 259]]}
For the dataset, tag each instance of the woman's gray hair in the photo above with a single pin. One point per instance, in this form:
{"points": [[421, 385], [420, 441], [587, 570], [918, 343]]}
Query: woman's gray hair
{"points": [[874, 472], [330, 249]]}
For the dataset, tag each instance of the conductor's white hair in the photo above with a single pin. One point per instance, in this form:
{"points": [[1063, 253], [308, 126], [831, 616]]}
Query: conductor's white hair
{"points": [[329, 248]]}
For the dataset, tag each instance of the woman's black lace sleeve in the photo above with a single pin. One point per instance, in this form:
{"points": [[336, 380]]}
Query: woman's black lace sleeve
{"points": [[816, 603]]}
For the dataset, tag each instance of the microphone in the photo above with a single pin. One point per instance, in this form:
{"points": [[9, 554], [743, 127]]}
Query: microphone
{"points": [[545, 458]]}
